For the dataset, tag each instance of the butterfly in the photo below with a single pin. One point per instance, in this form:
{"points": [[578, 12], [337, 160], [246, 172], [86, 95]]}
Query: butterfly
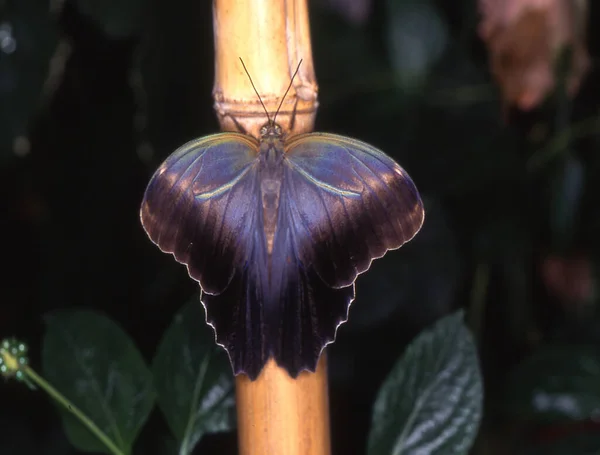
{"points": [[276, 230]]}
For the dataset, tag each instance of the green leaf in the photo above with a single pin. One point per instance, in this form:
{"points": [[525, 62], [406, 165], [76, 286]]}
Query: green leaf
{"points": [[117, 18], [193, 379], [93, 362], [431, 402], [556, 383]]}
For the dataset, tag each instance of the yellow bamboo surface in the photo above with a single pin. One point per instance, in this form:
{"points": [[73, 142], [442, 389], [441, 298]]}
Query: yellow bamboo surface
{"points": [[281, 415], [271, 36], [277, 415]]}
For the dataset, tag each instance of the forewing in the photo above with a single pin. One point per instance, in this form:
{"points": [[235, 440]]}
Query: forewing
{"points": [[349, 204], [200, 206]]}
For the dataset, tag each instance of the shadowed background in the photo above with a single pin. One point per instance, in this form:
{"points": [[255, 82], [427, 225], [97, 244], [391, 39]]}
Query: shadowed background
{"points": [[95, 95]]}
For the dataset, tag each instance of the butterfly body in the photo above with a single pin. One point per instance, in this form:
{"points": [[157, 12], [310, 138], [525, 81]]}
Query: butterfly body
{"points": [[276, 231], [270, 173]]}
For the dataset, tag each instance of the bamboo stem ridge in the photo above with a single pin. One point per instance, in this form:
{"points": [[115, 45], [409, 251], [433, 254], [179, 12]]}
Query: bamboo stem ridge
{"points": [[277, 415]]}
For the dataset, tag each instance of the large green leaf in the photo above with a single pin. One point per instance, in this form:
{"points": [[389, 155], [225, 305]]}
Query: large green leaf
{"points": [[193, 379], [556, 383], [93, 362], [431, 402]]}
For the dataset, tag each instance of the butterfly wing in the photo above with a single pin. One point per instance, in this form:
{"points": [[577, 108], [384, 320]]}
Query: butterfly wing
{"points": [[344, 203], [350, 203], [201, 206], [303, 310]]}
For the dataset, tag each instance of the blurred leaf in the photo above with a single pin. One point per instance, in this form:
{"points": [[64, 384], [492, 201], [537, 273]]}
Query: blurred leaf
{"points": [[432, 400], [563, 140], [193, 379], [417, 37], [557, 383], [28, 38], [91, 361], [349, 63], [434, 138], [173, 91], [117, 18]]}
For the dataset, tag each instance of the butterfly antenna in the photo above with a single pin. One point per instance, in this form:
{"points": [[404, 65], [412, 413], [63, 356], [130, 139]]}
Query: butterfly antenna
{"points": [[257, 94], [288, 89]]}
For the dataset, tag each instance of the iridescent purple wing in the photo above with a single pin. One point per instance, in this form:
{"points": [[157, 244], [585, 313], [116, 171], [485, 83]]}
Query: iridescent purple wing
{"points": [[304, 311], [201, 205], [344, 204], [349, 202]]}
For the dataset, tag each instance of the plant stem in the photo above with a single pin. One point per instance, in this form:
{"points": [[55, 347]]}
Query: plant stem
{"points": [[276, 414], [85, 420], [562, 140], [281, 415], [478, 299]]}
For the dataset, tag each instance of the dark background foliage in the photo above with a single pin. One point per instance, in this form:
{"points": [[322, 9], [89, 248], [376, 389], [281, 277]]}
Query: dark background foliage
{"points": [[515, 244]]}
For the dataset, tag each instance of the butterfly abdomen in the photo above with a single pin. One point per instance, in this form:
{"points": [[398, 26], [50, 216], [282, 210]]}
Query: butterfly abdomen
{"points": [[270, 175]]}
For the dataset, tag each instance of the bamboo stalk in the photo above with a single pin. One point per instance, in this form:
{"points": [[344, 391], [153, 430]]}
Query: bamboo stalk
{"points": [[276, 414], [271, 36], [281, 415]]}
